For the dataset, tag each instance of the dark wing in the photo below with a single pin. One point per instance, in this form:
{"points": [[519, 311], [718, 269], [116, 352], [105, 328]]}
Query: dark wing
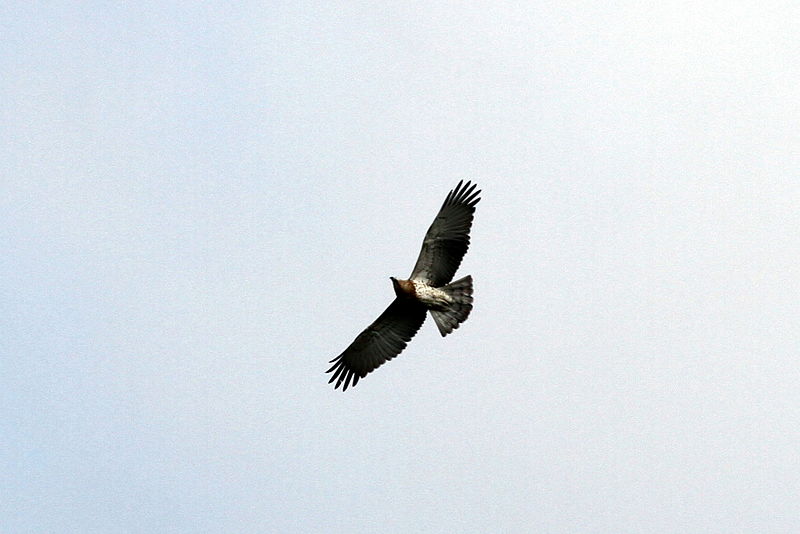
{"points": [[380, 342], [447, 239]]}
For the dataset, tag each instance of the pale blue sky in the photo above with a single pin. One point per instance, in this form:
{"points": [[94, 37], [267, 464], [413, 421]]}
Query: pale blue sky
{"points": [[201, 206]]}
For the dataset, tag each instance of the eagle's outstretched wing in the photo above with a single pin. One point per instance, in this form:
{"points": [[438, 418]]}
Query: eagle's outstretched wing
{"points": [[380, 342], [447, 239]]}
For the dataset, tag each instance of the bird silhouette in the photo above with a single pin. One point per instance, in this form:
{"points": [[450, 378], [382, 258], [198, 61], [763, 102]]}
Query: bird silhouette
{"points": [[428, 289]]}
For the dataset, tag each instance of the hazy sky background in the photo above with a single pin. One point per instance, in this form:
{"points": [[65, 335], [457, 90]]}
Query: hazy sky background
{"points": [[201, 206]]}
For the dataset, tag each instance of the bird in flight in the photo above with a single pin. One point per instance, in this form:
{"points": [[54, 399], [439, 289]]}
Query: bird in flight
{"points": [[429, 288]]}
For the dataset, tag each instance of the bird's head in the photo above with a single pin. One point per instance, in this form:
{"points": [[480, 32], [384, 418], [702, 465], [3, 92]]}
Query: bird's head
{"points": [[397, 285], [402, 288]]}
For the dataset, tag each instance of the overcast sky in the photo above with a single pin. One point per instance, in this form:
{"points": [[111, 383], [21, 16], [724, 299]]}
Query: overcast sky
{"points": [[201, 206]]}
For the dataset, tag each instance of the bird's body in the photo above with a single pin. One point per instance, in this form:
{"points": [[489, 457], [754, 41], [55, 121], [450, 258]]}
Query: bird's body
{"points": [[432, 297], [429, 288]]}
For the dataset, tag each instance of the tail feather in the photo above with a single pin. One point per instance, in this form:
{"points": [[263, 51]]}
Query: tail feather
{"points": [[457, 312]]}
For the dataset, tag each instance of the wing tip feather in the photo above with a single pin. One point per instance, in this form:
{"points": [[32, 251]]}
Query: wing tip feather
{"points": [[463, 193]]}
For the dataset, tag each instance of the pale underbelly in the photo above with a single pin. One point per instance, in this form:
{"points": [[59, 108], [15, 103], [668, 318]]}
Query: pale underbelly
{"points": [[431, 297]]}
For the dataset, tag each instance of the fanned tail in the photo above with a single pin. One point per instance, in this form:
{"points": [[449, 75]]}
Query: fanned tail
{"points": [[457, 312]]}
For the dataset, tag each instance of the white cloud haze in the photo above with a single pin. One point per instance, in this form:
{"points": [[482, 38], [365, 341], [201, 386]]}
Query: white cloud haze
{"points": [[200, 206]]}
